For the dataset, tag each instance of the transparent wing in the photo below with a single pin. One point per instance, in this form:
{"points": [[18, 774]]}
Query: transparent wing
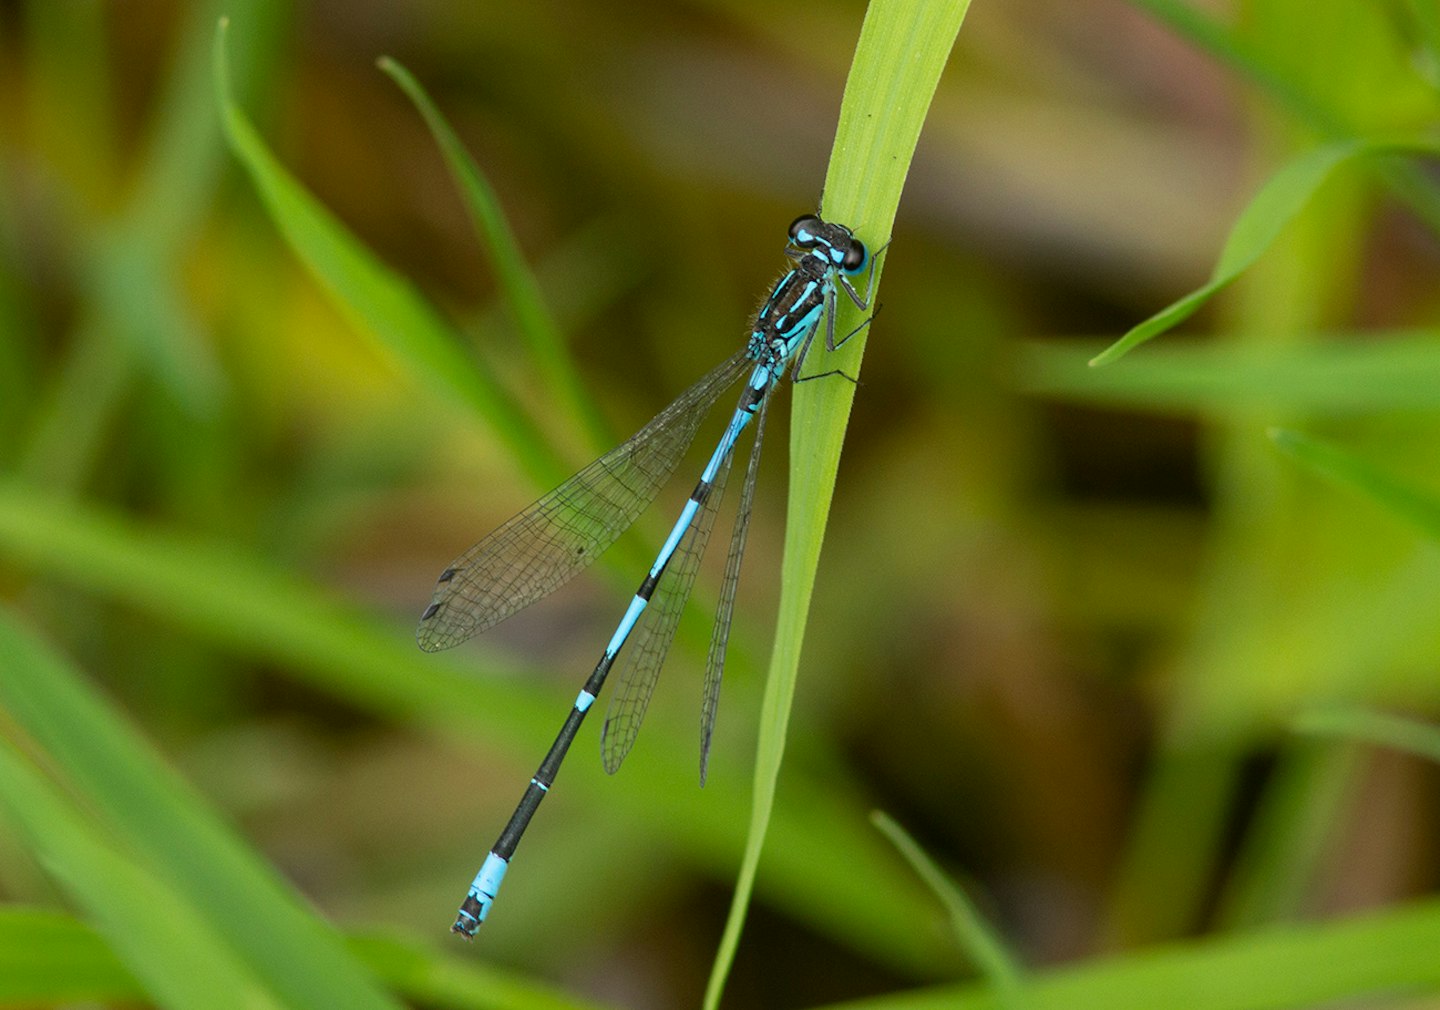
{"points": [[544, 546], [725, 611], [645, 653]]}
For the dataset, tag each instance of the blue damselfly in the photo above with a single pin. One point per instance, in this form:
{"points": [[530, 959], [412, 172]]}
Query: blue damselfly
{"points": [[545, 545]]}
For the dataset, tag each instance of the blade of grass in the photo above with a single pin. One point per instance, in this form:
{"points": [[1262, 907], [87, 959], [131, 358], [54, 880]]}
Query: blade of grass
{"points": [[1284, 850], [902, 49], [1287, 967], [66, 429], [1417, 507], [516, 280], [167, 942], [1221, 708], [1368, 726], [148, 809], [378, 300], [984, 944], [48, 958], [431, 979], [1362, 373], [1278, 201]]}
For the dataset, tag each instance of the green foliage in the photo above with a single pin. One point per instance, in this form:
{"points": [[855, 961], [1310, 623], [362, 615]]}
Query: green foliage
{"points": [[1100, 634], [1373, 727], [164, 880], [1347, 468], [379, 300], [1285, 966], [516, 281], [980, 939], [1259, 224]]}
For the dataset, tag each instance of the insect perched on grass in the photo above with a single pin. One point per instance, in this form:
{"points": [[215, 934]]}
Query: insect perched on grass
{"points": [[544, 546]]}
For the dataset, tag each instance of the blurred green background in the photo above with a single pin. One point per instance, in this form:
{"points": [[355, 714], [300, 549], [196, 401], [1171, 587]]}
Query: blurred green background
{"points": [[1066, 618]]}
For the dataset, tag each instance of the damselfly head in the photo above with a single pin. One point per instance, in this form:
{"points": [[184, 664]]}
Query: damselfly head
{"points": [[840, 246]]}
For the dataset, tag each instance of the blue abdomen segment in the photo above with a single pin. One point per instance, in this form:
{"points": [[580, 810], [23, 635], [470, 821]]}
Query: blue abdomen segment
{"points": [[682, 525], [482, 895]]}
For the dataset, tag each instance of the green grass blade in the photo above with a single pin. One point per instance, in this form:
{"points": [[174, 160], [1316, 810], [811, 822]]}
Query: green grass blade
{"points": [[516, 280], [1368, 726], [185, 152], [1277, 203], [1369, 373], [984, 944], [1417, 507], [48, 959], [902, 49], [457, 979], [71, 417], [1289, 841], [136, 300], [226, 598], [377, 299], [167, 942], [146, 808], [1274, 969]]}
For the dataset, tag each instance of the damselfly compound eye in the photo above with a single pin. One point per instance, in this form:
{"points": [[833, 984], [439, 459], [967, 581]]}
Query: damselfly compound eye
{"points": [[804, 224], [855, 258]]}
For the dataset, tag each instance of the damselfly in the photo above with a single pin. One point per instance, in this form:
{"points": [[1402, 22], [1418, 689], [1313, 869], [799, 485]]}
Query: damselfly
{"points": [[544, 546]]}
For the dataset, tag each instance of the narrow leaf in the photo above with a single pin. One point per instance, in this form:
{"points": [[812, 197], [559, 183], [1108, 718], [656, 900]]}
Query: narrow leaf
{"points": [[1415, 506], [1344, 374], [167, 942], [146, 808], [1367, 726], [378, 300], [48, 958], [1277, 203], [1291, 966], [516, 280], [984, 944]]}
